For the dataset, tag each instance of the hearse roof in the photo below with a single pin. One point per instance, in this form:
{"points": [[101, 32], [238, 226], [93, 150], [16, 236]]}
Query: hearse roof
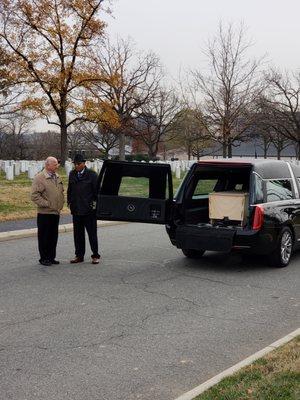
{"points": [[267, 169]]}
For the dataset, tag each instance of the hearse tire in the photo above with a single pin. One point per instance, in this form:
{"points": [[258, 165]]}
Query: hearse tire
{"points": [[280, 258], [190, 253]]}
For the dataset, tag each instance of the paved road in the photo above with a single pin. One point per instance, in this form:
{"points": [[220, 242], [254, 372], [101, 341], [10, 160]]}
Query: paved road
{"points": [[28, 223], [145, 324]]}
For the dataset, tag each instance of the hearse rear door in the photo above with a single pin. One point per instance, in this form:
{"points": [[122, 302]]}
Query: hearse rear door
{"points": [[151, 203]]}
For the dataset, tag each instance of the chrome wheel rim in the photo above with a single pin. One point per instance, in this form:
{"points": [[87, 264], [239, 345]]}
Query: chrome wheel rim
{"points": [[286, 247]]}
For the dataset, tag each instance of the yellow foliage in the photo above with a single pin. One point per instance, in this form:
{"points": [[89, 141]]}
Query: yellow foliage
{"points": [[48, 42], [36, 105], [101, 112]]}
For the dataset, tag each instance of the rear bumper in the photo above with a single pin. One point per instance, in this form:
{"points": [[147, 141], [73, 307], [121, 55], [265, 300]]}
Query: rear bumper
{"points": [[225, 239]]}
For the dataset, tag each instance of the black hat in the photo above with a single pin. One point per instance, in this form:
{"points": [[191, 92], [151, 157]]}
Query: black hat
{"points": [[78, 159]]}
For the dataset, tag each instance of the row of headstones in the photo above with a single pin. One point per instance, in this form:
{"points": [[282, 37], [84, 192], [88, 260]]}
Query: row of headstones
{"points": [[179, 168], [14, 168]]}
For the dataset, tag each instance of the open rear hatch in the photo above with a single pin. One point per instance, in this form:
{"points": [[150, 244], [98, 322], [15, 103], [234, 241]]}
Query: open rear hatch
{"points": [[215, 204], [152, 198]]}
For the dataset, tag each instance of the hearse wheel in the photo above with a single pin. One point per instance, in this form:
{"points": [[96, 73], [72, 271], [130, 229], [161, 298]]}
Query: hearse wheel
{"points": [[281, 256], [190, 253]]}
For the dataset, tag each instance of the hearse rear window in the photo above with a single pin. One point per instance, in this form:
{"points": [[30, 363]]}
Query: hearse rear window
{"points": [[277, 190], [204, 187]]}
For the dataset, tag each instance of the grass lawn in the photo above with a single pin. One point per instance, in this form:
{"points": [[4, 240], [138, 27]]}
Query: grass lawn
{"points": [[273, 377], [15, 200]]}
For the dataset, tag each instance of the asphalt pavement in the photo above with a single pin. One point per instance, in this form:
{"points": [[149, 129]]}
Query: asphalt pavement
{"points": [[8, 226], [147, 323]]}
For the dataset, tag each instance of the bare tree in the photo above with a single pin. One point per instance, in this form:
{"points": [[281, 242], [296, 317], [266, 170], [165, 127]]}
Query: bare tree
{"points": [[262, 140], [229, 90], [280, 142], [41, 144], [76, 141], [17, 127], [154, 124], [131, 80], [267, 132], [100, 136], [188, 132], [282, 105]]}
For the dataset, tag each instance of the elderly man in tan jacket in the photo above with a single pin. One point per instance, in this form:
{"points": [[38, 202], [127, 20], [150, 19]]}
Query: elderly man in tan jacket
{"points": [[48, 194]]}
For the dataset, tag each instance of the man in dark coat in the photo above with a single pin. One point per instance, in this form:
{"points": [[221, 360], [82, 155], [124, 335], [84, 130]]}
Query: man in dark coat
{"points": [[82, 195]]}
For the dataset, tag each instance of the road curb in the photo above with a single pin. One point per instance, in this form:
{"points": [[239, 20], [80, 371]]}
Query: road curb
{"points": [[23, 233], [230, 371]]}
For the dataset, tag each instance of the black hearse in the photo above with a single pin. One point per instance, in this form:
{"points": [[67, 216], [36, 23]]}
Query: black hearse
{"points": [[221, 205]]}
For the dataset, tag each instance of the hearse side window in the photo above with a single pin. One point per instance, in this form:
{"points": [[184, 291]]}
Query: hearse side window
{"points": [[279, 190], [258, 190], [204, 187]]}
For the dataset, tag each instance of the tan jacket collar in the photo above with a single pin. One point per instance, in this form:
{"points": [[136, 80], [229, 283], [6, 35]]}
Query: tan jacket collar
{"points": [[47, 175]]}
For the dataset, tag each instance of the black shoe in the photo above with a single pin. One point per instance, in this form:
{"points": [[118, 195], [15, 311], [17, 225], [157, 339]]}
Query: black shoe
{"points": [[47, 263], [76, 260], [55, 262]]}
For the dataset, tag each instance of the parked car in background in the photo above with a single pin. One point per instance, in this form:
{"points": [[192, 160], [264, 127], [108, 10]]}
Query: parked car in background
{"points": [[221, 205]]}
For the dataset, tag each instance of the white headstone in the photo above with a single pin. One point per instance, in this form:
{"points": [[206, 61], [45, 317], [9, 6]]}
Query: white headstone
{"points": [[17, 168], [100, 164], [173, 166], [23, 166], [40, 166], [68, 167], [10, 173], [32, 170], [94, 166], [6, 165], [178, 172]]}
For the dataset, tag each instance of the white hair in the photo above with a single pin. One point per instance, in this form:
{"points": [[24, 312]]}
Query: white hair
{"points": [[50, 160]]}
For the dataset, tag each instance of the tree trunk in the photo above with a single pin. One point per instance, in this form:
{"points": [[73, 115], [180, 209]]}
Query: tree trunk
{"points": [[106, 154], [265, 149], [63, 132], [278, 153], [298, 156], [152, 152], [224, 149], [63, 138], [189, 151], [121, 146], [229, 149]]}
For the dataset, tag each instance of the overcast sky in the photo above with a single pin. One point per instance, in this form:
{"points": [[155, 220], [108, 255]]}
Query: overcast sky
{"points": [[178, 30]]}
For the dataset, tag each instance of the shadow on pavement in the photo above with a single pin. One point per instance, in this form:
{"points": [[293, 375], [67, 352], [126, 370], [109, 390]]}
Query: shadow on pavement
{"points": [[230, 262]]}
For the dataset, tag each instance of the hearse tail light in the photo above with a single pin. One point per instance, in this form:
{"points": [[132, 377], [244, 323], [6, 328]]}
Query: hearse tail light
{"points": [[258, 218]]}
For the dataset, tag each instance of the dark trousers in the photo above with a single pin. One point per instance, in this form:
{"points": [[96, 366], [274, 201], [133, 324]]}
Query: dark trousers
{"points": [[47, 235], [80, 223]]}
